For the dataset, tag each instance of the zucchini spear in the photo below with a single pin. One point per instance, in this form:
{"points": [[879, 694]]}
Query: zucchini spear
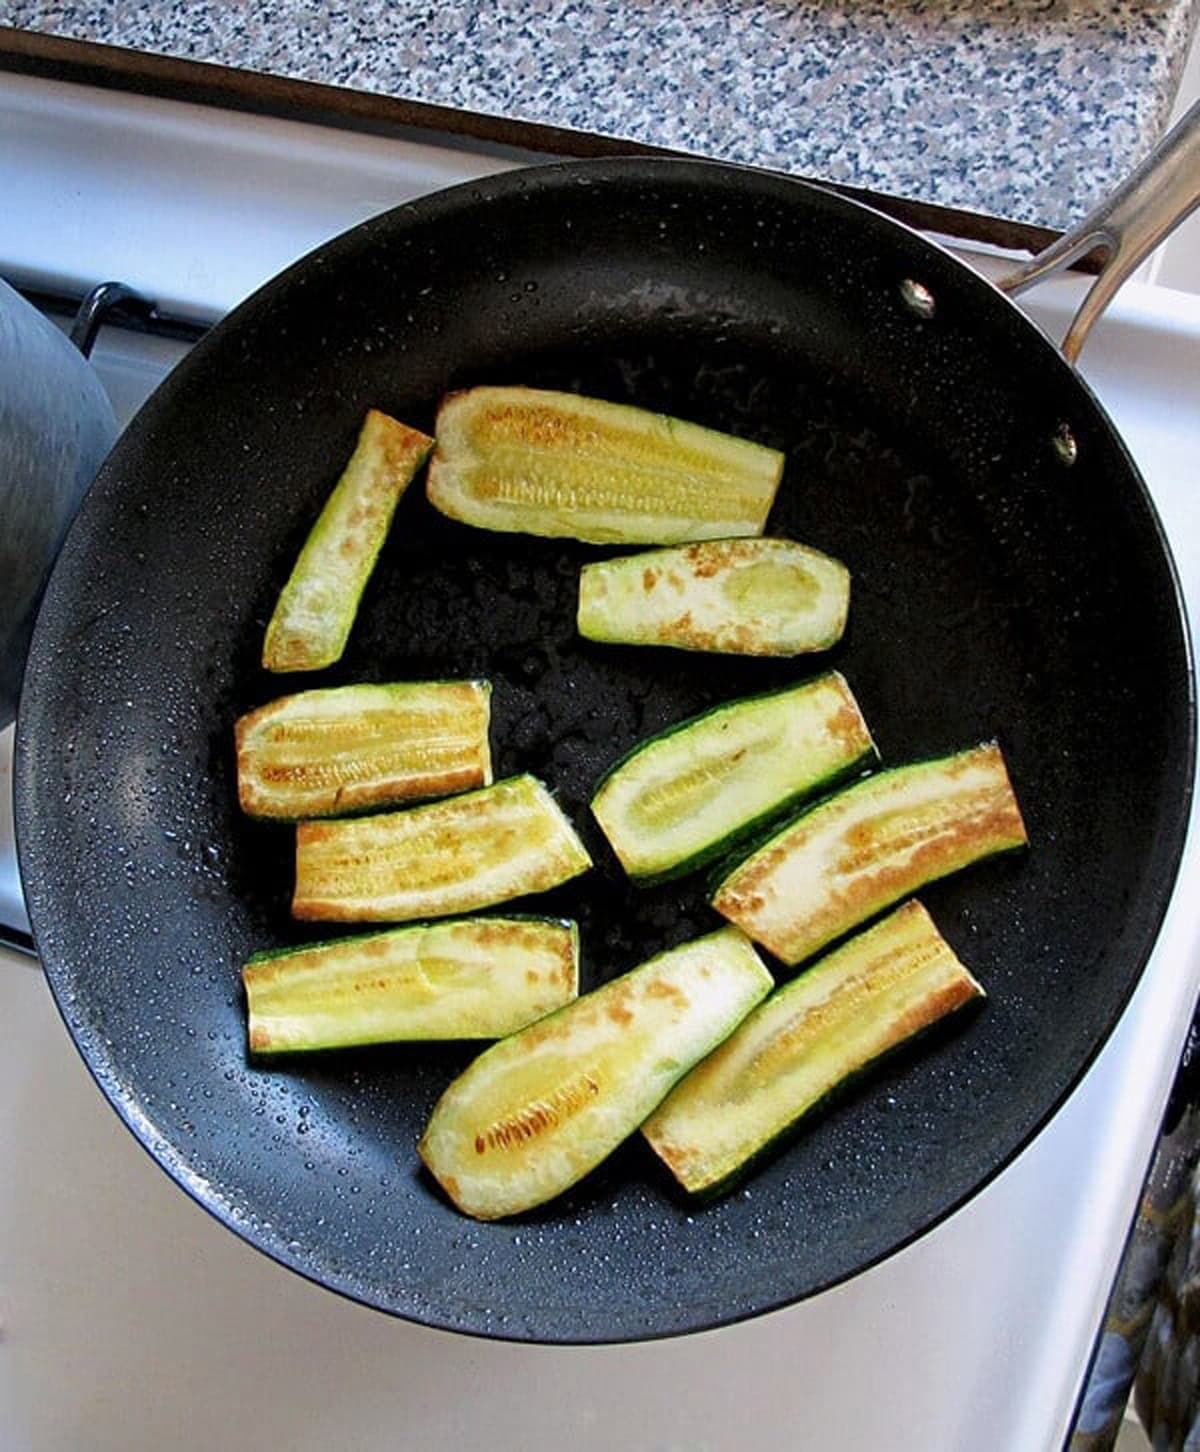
{"points": [[467, 978], [690, 793], [736, 596], [453, 856], [528, 461], [849, 857], [317, 606], [826, 1026], [534, 1113], [350, 748]]}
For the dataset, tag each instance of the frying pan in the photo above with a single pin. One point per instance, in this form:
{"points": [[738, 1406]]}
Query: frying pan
{"points": [[1005, 584]]}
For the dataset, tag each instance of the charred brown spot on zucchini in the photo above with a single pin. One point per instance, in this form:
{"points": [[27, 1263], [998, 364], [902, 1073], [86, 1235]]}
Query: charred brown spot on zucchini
{"points": [[812, 1036], [453, 856], [351, 748], [534, 1113], [538, 462], [468, 978], [848, 858], [736, 596], [317, 606], [689, 794]]}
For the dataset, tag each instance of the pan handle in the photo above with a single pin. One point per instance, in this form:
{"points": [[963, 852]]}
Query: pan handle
{"points": [[1126, 227]]}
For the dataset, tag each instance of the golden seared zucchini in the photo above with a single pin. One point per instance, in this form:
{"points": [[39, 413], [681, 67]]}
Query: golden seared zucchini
{"points": [[466, 978], [453, 856], [811, 1036], [690, 793], [351, 748], [317, 606], [537, 1111], [844, 860], [535, 462], [734, 596]]}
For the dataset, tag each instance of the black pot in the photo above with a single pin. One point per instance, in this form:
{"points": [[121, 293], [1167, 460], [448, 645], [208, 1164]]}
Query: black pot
{"points": [[56, 426]]}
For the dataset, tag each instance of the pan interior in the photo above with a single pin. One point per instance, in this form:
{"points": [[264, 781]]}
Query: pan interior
{"points": [[996, 593]]}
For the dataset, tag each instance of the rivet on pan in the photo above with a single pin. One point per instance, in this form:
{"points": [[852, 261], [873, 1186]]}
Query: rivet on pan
{"points": [[918, 298], [1066, 450]]}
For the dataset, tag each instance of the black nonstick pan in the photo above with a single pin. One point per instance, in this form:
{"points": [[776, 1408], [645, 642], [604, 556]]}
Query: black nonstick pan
{"points": [[1010, 580]]}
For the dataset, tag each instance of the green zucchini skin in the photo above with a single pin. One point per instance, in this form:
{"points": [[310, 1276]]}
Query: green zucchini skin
{"points": [[317, 606], [855, 853], [347, 749], [448, 857], [693, 792], [533, 461], [462, 978], [534, 1113], [807, 1042], [767, 597]]}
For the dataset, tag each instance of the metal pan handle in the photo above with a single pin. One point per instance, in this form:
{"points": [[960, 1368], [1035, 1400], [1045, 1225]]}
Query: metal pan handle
{"points": [[1126, 227]]}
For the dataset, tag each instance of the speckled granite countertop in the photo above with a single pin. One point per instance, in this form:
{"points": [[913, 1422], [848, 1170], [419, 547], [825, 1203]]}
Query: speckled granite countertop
{"points": [[1025, 109]]}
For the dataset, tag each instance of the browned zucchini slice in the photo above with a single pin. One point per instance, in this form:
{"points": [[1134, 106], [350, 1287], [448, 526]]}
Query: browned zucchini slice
{"points": [[811, 1036], [855, 854], [693, 791], [453, 856], [533, 1114], [317, 606], [733, 596], [465, 978], [538, 462], [350, 748]]}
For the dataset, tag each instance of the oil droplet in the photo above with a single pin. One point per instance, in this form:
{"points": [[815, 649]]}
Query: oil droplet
{"points": [[917, 298]]}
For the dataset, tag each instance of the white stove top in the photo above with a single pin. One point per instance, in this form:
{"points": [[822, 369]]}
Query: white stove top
{"points": [[129, 1319]]}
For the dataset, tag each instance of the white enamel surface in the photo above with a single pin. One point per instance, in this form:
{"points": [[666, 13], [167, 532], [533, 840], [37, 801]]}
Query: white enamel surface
{"points": [[131, 1320], [120, 200]]}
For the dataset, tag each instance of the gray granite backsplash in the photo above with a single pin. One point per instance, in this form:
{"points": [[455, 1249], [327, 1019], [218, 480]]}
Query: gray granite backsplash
{"points": [[1026, 109]]}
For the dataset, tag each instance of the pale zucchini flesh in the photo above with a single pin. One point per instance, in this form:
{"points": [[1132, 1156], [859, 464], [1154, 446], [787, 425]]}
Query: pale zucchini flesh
{"points": [[534, 1113], [690, 793], [317, 606], [873, 843], [533, 461], [466, 978], [859, 1002], [770, 597], [347, 749], [453, 856]]}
